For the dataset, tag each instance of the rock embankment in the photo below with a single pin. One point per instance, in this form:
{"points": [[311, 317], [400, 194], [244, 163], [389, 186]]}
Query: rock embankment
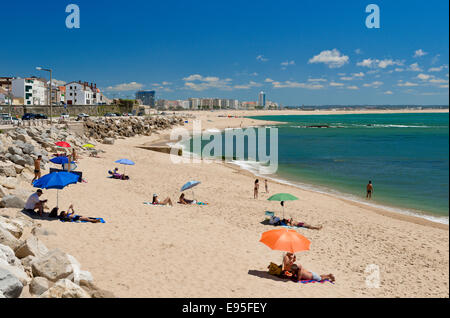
{"points": [[106, 130], [29, 269]]}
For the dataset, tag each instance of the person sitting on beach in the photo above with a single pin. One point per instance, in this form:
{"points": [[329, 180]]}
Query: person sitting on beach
{"points": [[291, 222], [72, 217], [33, 203], [116, 175], [185, 201], [166, 201], [297, 272]]}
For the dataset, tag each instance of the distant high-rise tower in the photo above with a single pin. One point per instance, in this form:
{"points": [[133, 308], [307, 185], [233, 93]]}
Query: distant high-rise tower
{"points": [[262, 99], [146, 97]]}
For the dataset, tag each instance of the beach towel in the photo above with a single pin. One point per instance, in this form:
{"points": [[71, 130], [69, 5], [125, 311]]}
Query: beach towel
{"points": [[201, 203], [72, 221], [150, 203], [314, 281]]}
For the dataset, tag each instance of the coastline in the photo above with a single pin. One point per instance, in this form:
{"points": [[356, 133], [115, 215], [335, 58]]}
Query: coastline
{"points": [[125, 254], [428, 219]]}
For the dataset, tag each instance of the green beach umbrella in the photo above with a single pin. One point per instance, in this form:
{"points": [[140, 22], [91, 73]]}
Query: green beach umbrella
{"points": [[282, 197]]}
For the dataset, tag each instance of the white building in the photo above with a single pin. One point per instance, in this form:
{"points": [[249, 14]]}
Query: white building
{"points": [[32, 90], [83, 93]]}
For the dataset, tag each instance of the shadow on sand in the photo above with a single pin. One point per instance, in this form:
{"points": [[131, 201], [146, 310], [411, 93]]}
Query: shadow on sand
{"points": [[36, 216], [265, 274]]}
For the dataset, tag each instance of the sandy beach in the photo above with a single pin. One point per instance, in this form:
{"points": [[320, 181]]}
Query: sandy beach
{"points": [[214, 250]]}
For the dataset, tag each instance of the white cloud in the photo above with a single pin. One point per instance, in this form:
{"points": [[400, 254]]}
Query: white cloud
{"points": [[399, 69], [290, 84], [354, 87], [420, 53], [333, 58], [358, 51], [287, 63], [438, 81], [133, 86], [360, 74], [424, 77], [372, 63], [336, 84], [407, 84], [437, 69], [208, 82], [414, 67], [346, 78], [251, 84], [261, 58], [388, 93], [375, 84], [268, 80], [317, 80]]}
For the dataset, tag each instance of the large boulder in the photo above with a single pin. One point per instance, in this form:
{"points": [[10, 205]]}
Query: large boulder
{"points": [[18, 159], [3, 192], [39, 285], [31, 247], [10, 286], [17, 271], [6, 238], [64, 288], [15, 150], [12, 201], [54, 265], [7, 255], [94, 291], [108, 141], [13, 227], [7, 169]]}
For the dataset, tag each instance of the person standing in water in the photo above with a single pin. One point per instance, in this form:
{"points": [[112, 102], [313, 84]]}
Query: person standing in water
{"points": [[369, 190], [255, 189]]}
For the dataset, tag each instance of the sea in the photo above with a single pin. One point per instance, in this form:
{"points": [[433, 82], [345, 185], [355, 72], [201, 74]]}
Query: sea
{"points": [[405, 155]]}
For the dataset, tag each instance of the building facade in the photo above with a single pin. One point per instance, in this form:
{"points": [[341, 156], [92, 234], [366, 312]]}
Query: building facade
{"points": [[146, 97], [82, 93], [32, 90]]}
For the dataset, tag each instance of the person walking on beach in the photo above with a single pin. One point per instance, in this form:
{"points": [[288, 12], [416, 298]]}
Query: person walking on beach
{"points": [[369, 190], [266, 186], [37, 168], [255, 189]]}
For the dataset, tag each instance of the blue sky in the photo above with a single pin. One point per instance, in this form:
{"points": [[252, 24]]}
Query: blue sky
{"points": [[298, 52]]}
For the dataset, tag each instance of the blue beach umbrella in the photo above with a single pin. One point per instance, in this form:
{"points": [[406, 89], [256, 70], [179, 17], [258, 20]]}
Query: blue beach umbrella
{"points": [[56, 180], [60, 160], [190, 185], [126, 162]]}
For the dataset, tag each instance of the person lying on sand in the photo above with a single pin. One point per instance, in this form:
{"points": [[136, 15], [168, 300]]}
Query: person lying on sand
{"points": [[291, 222], [182, 200], [66, 216], [166, 201], [297, 272], [275, 220]]}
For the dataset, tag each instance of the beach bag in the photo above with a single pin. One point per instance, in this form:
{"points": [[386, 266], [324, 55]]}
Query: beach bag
{"points": [[274, 269]]}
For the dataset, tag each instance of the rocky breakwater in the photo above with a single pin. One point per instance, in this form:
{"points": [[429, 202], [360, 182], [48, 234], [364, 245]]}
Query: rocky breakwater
{"points": [[28, 269], [106, 130], [18, 149]]}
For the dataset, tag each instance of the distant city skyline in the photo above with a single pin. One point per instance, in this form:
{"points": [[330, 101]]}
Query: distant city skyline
{"points": [[301, 53]]}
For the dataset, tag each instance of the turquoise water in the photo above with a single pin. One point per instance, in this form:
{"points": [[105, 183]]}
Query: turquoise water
{"points": [[405, 155]]}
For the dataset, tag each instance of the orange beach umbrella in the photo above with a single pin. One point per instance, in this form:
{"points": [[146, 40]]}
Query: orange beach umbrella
{"points": [[285, 240]]}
